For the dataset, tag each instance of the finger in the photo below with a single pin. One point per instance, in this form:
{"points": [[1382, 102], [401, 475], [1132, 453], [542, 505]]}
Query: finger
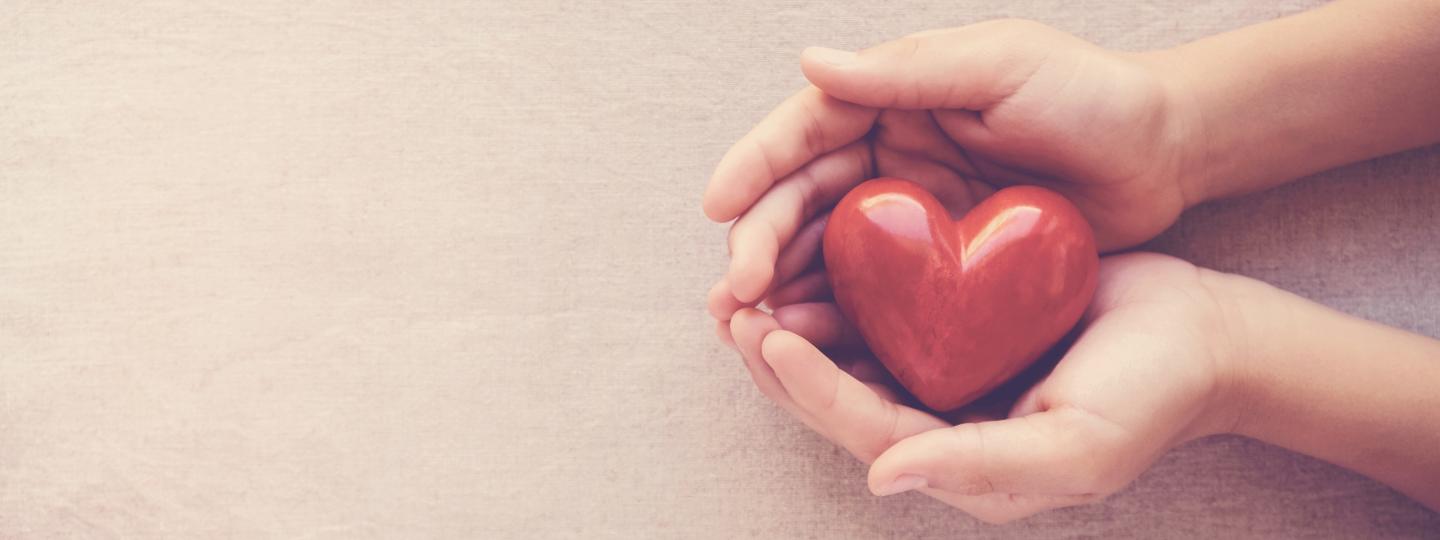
{"points": [[803, 251], [967, 128], [956, 193], [721, 302], [811, 287], [848, 411], [774, 220], [749, 327], [869, 371], [919, 134], [1063, 451], [997, 160], [973, 67], [794, 259], [804, 127], [820, 323]]}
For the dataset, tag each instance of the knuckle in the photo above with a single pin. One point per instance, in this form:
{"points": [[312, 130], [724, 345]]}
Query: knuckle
{"points": [[899, 52], [803, 186], [812, 133], [886, 435], [831, 399], [770, 160]]}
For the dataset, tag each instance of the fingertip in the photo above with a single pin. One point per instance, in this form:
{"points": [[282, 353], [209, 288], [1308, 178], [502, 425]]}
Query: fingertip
{"points": [[848, 78], [827, 56], [896, 485], [817, 70], [900, 461], [885, 471], [732, 186], [721, 303], [742, 319], [745, 315], [750, 327], [783, 344], [750, 274], [966, 127], [716, 209]]}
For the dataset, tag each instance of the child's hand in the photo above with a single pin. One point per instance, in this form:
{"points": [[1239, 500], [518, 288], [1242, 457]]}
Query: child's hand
{"points": [[962, 112], [1149, 372], [1169, 352]]}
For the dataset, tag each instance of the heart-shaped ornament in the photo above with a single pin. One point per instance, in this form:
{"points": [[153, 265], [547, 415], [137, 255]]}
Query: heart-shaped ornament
{"points": [[953, 308]]}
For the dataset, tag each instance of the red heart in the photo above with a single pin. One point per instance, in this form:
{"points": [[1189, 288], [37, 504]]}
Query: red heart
{"points": [[954, 308]]}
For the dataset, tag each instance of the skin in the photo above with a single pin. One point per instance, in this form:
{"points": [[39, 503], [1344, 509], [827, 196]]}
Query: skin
{"points": [[959, 137], [1168, 353], [967, 110]]}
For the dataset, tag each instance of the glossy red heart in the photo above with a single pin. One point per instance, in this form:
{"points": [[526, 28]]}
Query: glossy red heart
{"points": [[953, 308]]}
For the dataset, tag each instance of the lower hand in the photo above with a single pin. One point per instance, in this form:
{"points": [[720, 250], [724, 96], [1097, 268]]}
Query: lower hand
{"points": [[1148, 372]]}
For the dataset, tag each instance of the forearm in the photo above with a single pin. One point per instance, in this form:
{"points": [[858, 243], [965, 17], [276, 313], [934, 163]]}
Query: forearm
{"points": [[1349, 391], [1280, 100]]}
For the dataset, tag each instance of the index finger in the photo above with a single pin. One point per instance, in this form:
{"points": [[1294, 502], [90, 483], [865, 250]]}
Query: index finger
{"points": [[804, 127]]}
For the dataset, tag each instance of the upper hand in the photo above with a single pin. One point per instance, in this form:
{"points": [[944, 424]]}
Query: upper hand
{"points": [[962, 112]]}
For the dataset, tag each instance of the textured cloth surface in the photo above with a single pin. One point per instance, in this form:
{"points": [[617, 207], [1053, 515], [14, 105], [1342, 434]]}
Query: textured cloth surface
{"points": [[436, 269]]}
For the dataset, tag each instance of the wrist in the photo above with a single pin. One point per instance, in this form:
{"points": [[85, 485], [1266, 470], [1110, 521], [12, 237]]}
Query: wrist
{"points": [[1248, 335], [1194, 143], [1314, 380], [1270, 103]]}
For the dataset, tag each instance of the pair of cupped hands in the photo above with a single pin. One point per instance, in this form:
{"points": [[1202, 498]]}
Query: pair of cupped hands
{"points": [[964, 112]]}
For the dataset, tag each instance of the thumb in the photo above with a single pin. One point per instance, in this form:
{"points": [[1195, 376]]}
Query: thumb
{"points": [[1061, 451], [973, 67]]}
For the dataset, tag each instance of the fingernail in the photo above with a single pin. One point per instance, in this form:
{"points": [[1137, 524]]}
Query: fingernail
{"points": [[901, 484], [830, 56]]}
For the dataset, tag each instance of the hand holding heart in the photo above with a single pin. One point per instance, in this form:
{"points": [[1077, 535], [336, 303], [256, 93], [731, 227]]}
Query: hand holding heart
{"points": [[1146, 375], [944, 110], [1015, 122], [1166, 351]]}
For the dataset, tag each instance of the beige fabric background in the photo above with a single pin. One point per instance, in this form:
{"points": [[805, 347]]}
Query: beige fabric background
{"points": [[275, 269]]}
